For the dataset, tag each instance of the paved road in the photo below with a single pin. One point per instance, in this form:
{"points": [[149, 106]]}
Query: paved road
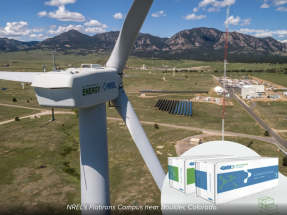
{"points": [[253, 105], [278, 139]]}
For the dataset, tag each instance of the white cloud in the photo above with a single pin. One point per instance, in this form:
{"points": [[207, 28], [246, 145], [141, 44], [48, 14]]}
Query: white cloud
{"points": [[264, 34], [245, 22], [158, 14], [62, 29], [281, 9], [279, 2], [214, 4], [36, 29], [94, 30], [39, 36], [248, 31], [41, 14], [59, 2], [118, 16], [213, 9], [64, 15], [264, 6], [53, 27], [15, 29], [80, 28], [193, 17], [195, 10], [237, 21], [283, 41], [95, 23], [232, 21]]}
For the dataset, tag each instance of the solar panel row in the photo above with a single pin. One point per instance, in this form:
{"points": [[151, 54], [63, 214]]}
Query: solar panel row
{"points": [[175, 106]]}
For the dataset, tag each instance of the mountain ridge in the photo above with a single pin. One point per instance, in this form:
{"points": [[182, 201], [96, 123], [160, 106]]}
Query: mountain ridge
{"points": [[191, 43]]}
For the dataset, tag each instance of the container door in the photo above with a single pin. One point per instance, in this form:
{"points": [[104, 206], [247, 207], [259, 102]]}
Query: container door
{"points": [[181, 174], [210, 169]]}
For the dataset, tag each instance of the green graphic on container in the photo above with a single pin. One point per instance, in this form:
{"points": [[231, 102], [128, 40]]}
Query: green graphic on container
{"points": [[173, 173], [190, 176], [267, 206]]}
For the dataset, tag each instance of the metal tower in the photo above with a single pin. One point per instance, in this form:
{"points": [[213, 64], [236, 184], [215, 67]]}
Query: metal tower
{"points": [[225, 63]]}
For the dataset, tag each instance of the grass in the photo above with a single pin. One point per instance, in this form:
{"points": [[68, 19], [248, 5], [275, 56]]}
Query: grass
{"points": [[205, 115], [283, 135], [262, 148], [40, 166], [25, 148], [280, 79], [33, 61], [274, 113], [15, 91], [8, 113]]}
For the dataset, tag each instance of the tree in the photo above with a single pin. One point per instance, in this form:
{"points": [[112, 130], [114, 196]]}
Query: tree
{"points": [[14, 100], [156, 126], [17, 118], [266, 133]]}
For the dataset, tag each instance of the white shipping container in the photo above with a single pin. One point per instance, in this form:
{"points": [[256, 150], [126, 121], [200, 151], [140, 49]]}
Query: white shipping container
{"points": [[223, 180], [181, 171]]}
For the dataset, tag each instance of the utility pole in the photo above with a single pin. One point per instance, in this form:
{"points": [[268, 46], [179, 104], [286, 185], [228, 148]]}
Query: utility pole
{"points": [[225, 63], [54, 64]]}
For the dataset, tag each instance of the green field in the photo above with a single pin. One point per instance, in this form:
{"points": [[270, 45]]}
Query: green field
{"points": [[8, 113], [33, 61], [273, 113], [40, 166], [280, 79], [283, 135], [262, 148]]}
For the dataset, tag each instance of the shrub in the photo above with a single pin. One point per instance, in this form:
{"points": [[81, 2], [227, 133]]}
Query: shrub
{"points": [[76, 112], [17, 118], [285, 161], [14, 100], [30, 98], [156, 126], [27, 101], [266, 133]]}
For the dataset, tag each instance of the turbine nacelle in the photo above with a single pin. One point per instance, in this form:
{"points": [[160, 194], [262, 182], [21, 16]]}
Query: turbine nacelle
{"points": [[77, 87]]}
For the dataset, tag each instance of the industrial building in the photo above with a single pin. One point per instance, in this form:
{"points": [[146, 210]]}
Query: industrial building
{"points": [[251, 91]]}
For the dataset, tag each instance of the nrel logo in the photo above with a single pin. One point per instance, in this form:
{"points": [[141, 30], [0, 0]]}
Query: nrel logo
{"points": [[191, 163], [227, 167], [210, 199], [107, 86]]}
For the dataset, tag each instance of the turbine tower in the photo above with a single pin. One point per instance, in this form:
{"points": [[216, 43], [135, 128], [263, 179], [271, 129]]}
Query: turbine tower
{"points": [[225, 63], [88, 89]]}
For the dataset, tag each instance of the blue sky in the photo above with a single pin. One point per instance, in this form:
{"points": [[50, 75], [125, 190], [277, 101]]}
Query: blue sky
{"points": [[29, 20]]}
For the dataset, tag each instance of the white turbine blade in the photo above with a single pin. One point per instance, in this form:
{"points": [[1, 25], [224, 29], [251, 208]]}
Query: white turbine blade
{"points": [[128, 114], [19, 76], [128, 34]]}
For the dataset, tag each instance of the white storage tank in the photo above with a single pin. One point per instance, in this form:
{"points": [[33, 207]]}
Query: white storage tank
{"points": [[181, 171], [220, 181]]}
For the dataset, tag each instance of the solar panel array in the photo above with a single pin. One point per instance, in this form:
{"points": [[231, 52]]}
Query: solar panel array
{"points": [[178, 107]]}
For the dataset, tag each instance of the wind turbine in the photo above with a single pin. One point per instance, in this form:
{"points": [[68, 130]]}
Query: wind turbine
{"points": [[88, 88]]}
